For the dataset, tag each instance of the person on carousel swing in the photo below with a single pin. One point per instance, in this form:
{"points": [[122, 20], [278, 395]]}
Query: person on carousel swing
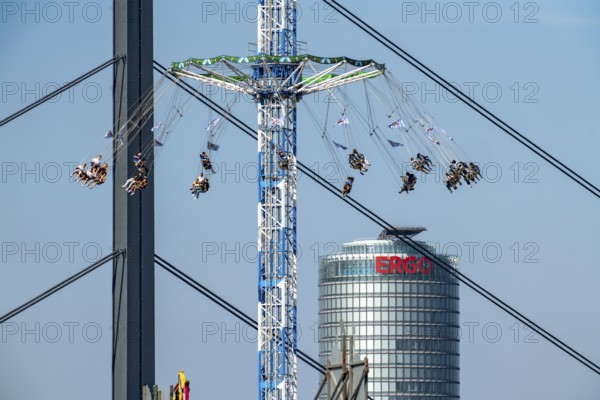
{"points": [[463, 171], [139, 183], [204, 186], [79, 172], [419, 165], [200, 185], [425, 159], [347, 186], [206, 164], [358, 161], [284, 160], [474, 172], [452, 178], [90, 176], [138, 161], [95, 163], [408, 182], [100, 176]]}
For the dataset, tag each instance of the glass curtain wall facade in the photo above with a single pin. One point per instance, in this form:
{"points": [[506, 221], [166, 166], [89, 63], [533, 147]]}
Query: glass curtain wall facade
{"points": [[403, 311]]}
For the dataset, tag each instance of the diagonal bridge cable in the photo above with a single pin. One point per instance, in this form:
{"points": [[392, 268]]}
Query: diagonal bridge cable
{"points": [[471, 284], [57, 287], [504, 126], [365, 211], [221, 302], [60, 90], [457, 274]]}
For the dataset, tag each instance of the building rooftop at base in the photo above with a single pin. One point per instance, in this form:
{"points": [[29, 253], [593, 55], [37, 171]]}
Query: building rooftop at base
{"points": [[409, 231]]}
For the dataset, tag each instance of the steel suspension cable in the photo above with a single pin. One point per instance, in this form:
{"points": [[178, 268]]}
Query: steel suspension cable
{"points": [[57, 287], [60, 90], [472, 284], [504, 126], [221, 302], [365, 211]]}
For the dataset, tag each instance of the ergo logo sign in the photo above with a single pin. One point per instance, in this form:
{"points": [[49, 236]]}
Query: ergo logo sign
{"points": [[397, 265]]}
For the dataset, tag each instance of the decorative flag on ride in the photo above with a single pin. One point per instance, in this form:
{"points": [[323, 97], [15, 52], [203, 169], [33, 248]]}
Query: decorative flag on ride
{"points": [[342, 121], [394, 144], [213, 123], [157, 143], [397, 124], [339, 146], [212, 146], [108, 135], [119, 137], [156, 127], [276, 122]]}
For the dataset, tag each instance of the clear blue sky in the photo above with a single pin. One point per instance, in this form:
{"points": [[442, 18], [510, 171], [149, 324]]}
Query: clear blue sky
{"points": [[544, 57]]}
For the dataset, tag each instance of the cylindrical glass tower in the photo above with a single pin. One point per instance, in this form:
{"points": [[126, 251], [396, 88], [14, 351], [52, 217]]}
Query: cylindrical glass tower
{"points": [[403, 312]]}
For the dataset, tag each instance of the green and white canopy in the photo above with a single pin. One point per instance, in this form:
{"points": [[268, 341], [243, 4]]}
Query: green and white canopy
{"points": [[317, 73]]}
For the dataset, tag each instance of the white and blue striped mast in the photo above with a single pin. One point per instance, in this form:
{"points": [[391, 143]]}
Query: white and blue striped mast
{"points": [[276, 82], [277, 340]]}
